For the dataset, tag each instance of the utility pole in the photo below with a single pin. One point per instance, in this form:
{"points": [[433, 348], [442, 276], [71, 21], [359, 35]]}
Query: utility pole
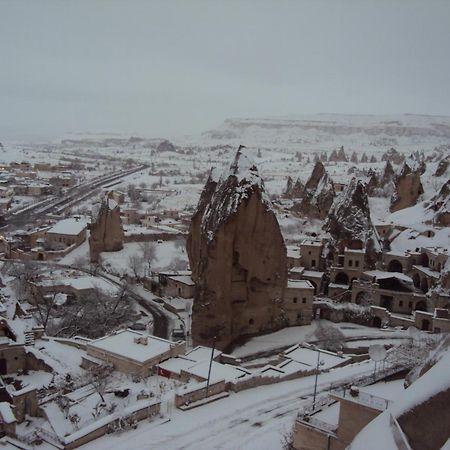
{"points": [[317, 376], [210, 365]]}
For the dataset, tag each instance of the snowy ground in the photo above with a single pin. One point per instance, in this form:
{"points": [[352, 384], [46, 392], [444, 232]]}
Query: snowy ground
{"points": [[256, 418]]}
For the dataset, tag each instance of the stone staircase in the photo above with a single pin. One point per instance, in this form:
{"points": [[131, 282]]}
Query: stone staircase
{"points": [[29, 337]]}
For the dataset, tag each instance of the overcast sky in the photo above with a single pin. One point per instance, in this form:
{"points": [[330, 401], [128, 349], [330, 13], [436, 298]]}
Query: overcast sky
{"points": [[161, 68]]}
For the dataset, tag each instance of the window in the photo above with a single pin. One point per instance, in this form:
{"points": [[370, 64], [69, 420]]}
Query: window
{"points": [[294, 299], [350, 262], [313, 263], [309, 252], [410, 304], [356, 263], [304, 299], [400, 303], [299, 316], [251, 321]]}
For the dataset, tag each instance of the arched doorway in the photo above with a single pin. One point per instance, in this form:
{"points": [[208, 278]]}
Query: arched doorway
{"points": [[421, 306], [424, 285], [3, 366], [425, 260], [363, 298], [341, 278], [395, 266], [376, 322]]}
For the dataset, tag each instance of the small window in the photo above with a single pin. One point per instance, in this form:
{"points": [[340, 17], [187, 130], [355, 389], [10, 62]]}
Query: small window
{"points": [[304, 300], [356, 263], [294, 299], [299, 315], [410, 304], [313, 263], [400, 303], [251, 322], [309, 252]]}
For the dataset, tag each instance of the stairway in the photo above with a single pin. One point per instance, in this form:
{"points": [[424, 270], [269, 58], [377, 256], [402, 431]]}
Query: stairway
{"points": [[29, 337]]}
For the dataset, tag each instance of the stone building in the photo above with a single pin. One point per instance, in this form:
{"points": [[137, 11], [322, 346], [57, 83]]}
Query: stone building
{"points": [[298, 302], [311, 254], [65, 233], [131, 352]]}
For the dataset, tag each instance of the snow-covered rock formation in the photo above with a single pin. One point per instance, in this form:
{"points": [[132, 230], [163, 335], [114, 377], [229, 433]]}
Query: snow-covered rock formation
{"points": [[237, 256], [408, 188], [349, 221], [106, 232], [318, 194]]}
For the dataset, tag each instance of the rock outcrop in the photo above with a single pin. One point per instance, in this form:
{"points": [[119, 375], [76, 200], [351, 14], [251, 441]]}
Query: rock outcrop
{"points": [[318, 194], [238, 258], [439, 204], [165, 146], [349, 222], [408, 188], [442, 167], [106, 232], [394, 156], [294, 190]]}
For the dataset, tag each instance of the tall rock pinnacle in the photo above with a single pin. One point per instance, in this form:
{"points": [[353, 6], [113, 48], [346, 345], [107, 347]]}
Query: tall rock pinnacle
{"points": [[237, 256]]}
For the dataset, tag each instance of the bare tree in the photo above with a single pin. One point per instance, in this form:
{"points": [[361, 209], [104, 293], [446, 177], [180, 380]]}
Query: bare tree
{"points": [[329, 337], [99, 377], [136, 264]]}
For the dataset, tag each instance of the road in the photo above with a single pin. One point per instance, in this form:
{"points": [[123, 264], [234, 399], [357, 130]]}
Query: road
{"points": [[253, 419], [57, 205], [160, 318]]}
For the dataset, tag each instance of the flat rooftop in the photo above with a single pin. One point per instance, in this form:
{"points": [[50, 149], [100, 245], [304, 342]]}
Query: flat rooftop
{"points": [[123, 344]]}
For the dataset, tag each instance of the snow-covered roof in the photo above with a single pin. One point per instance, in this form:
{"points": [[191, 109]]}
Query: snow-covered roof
{"points": [[219, 371], [300, 284], [123, 344], [201, 353], [176, 365], [6, 413], [82, 282], [71, 227], [185, 279], [311, 242], [309, 356], [382, 275]]}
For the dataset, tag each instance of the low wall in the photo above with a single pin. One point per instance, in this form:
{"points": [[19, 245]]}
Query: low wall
{"points": [[149, 237], [104, 425], [200, 393]]}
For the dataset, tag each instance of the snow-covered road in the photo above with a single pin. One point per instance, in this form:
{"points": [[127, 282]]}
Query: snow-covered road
{"points": [[252, 419]]}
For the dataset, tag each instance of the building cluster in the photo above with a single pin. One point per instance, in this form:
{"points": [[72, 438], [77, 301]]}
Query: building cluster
{"points": [[26, 180]]}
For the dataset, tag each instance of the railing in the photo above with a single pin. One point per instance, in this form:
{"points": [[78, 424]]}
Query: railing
{"points": [[317, 423], [364, 398]]}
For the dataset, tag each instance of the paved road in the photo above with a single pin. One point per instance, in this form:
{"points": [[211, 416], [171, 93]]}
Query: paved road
{"points": [[32, 214]]}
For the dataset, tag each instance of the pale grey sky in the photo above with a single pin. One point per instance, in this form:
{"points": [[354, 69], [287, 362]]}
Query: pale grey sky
{"points": [[160, 68]]}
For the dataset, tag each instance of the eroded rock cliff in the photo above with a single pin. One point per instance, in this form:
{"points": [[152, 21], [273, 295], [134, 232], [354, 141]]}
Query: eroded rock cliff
{"points": [[318, 194], [408, 188], [106, 232], [237, 256]]}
